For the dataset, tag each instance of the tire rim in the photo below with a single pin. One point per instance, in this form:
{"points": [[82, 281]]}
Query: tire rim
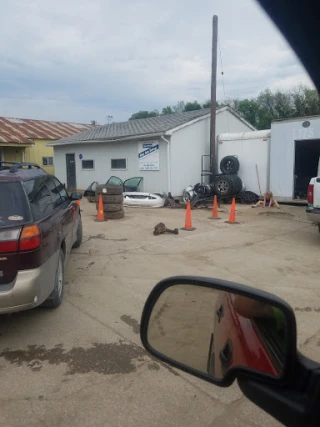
{"points": [[59, 277], [223, 186], [229, 165]]}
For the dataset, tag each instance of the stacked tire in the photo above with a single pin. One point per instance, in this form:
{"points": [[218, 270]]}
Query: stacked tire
{"points": [[228, 184], [112, 199], [230, 165]]}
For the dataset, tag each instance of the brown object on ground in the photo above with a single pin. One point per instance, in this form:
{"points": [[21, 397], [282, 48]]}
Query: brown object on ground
{"points": [[161, 228], [109, 207], [110, 198], [114, 215]]}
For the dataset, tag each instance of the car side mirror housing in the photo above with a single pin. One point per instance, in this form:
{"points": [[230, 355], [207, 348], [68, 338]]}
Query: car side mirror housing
{"points": [[218, 330], [76, 196]]}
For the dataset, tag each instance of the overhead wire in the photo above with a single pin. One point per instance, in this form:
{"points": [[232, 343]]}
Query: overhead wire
{"points": [[222, 80]]}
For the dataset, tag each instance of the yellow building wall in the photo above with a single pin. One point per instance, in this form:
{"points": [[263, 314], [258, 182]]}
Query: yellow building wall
{"points": [[37, 152], [12, 154]]}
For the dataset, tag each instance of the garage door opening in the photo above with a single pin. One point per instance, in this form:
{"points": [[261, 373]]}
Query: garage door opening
{"points": [[307, 153]]}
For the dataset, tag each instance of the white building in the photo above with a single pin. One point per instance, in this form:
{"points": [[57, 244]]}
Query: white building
{"points": [[294, 156], [166, 150]]}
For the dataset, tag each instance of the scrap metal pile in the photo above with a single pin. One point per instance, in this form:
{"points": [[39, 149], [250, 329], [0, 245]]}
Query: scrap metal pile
{"points": [[225, 186]]}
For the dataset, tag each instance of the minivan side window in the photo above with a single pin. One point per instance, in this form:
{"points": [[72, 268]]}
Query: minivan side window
{"points": [[41, 203], [61, 189], [55, 195]]}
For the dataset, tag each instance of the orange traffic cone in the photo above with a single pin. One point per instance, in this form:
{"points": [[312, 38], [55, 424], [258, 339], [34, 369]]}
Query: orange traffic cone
{"points": [[100, 215], [232, 217], [78, 201], [215, 209], [188, 221]]}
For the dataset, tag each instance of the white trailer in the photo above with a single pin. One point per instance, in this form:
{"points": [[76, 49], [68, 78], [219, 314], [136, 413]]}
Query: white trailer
{"points": [[253, 152]]}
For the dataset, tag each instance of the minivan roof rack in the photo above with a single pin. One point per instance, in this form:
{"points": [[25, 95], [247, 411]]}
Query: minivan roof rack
{"points": [[15, 166]]}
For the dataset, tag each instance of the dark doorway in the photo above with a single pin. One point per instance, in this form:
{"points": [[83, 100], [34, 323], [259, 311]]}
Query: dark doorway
{"points": [[307, 153], [71, 172]]}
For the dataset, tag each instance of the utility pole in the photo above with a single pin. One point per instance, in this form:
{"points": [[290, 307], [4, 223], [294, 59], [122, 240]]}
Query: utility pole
{"points": [[213, 159]]}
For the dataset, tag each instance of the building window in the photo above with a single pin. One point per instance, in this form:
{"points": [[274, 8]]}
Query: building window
{"points": [[88, 164], [47, 161], [118, 163]]}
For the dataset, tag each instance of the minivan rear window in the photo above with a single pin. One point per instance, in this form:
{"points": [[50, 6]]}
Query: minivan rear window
{"points": [[14, 207]]}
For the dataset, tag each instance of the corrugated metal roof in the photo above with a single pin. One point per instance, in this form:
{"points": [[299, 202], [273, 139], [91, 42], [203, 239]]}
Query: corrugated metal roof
{"points": [[141, 127], [257, 134], [24, 131], [147, 128]]}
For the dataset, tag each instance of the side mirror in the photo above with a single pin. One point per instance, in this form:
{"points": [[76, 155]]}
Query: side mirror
{"points": [[76, 196], [218, 330]]}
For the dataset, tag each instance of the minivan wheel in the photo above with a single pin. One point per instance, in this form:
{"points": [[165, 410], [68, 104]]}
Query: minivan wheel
{"points": [[56, 297]]}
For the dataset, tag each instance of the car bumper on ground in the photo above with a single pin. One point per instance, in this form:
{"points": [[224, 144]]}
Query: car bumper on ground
{"points": [[313, 215], [29, 289]]}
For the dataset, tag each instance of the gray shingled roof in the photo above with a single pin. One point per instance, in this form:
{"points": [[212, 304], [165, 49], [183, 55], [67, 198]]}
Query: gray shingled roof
{"points": [[123, 130]]}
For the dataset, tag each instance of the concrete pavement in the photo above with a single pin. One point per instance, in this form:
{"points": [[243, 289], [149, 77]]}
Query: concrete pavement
{"points": [[83, 365]]}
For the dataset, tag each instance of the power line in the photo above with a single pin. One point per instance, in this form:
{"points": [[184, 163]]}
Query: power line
{"points": [[222, 72], [223, 87]]}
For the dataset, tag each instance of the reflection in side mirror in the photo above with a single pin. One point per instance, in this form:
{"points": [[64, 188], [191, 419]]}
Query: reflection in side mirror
{"points": [[76, 196], [213, 332]]}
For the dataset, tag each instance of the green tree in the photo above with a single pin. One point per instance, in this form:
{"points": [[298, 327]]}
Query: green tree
{"points": [[249, 110], [260, 110], [283, 104], [178, 107], [167, 110], [305, 101], [191, 106], [144, 114]]}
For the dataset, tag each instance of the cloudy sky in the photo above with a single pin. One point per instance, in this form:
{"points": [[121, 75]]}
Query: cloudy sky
{"points": [[83, 60]]}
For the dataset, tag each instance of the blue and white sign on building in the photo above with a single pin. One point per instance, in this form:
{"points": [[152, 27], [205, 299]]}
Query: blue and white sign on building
{"points": [[148, 156]]}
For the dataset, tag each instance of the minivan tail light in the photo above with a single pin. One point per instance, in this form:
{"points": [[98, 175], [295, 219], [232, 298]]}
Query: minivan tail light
{"points": [[30, 238], [9, 240], [310, 194]]}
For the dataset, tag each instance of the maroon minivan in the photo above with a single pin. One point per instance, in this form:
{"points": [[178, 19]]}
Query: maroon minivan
{"points": [[39, 224]]}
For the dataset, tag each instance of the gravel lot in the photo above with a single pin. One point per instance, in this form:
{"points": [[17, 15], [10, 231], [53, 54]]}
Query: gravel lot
{"points": [[83, 364]]}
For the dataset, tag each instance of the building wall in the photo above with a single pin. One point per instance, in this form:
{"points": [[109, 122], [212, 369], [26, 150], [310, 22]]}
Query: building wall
{"points": [[190, 143], [282, 153], [153, 181], [12, 154], [187, 145], [186, 148], [36, 153], [228, 122]]}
